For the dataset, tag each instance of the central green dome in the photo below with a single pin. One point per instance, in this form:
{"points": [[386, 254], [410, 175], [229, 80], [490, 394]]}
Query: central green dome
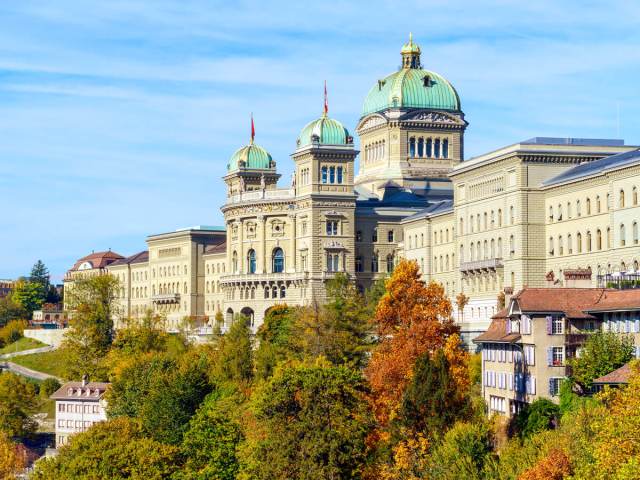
{"points": [[325, 131], [411, 87], [252, 157]]}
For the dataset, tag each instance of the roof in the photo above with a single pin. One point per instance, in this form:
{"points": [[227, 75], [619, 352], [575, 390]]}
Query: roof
{"points": [[620, 375], [219, 248], [140, 257], [443, 206], [96, 260], [252, 157], [497, 332], [576, 302], [92, 391], [596, 167], [324, 131], [591, 142], [411, 87]]}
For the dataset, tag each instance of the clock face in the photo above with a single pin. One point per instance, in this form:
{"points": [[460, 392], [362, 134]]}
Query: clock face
{"points": [[85, 266]]}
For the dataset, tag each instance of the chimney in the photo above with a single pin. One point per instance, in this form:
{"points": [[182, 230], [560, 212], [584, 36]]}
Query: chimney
{"points": [[85, 380]]}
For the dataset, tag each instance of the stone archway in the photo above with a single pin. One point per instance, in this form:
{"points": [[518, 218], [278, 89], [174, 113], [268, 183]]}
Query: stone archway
{"points": [[248, 312]]}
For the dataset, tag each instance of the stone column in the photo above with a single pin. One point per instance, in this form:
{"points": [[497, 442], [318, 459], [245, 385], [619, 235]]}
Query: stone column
{"points": [[292, 243], [261, 267], [240, 246]]}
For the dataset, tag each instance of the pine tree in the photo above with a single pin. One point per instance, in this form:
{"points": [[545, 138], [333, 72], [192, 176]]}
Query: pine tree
{"points": [[40, 274]]}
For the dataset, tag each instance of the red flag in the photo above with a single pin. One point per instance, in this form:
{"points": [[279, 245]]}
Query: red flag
{"points": [[326, 100], [253, 129]]}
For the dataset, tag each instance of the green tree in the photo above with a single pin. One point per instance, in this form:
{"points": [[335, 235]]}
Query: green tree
{"points": [[18, 401], [431, 401], [28, 295], [112, 450], [275, 342], [602, 353], [339, 330], [210, 445], [536, 417], [87, 342], [143, 335], [12, 332], [40, 274], [49, 386], [309, 422], [463, 453], [162, 392], [233, 360]]}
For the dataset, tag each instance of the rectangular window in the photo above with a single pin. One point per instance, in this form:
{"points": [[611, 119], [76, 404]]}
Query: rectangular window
{"points": [[390, 236], [530, 354], [358, 264], [554, 386], [333, 262], [324, 174], [557, 356], [374, 235], [332, 227], [332, 174], [339, 178], [556, 326]]}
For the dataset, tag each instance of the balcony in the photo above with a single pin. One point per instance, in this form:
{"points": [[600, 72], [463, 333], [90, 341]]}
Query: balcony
{"points": [[491, 264], [620, 280], [165, 298], [576, 339], [253, 278], [277, 194]]}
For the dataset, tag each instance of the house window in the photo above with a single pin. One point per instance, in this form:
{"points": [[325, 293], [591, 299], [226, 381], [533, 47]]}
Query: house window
{"points": [[623, 239], [554, 386], [332, 227], [556, 326], [332, 174], [278, 260], [339, 175], [390, 236], [283, 292], [324, 174], [333, 262], [588, 206], [557, 356], [251, 261]]}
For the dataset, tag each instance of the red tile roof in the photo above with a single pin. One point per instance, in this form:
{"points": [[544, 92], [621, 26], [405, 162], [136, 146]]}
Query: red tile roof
{"points": [[92, 391], [497, 332], [621, 375], [98, 259], [140, 257]]}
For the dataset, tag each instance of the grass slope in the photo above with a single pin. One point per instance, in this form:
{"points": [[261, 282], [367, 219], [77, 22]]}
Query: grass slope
{"points": [[22, 344], [48, 362]]}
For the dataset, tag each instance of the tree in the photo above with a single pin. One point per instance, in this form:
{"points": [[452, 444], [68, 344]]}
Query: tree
{"points": [[93, 302], [138, 336], [275, 340], [40, 274], [339, 330], [9, 310], [49, 386], [432, 401], [112, 450], [412, 319], [12, 332], [540, 415], [309, 422], [603, 353], [555, 466], [461, 301], [210, 445], [162, 392], [12, 458], [18, 401], [233, 360], [28, 295]]}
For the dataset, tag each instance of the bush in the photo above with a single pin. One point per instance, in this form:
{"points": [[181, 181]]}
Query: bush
{"points": [[539, 416]]}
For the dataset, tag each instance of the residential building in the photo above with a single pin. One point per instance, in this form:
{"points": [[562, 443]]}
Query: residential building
{"points": [[5, 287], [79, 405], [526, 347]]}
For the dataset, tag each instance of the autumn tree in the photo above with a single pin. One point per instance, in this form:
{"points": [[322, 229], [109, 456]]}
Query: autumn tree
{"points": [[12, 458], [233, 358], [275, 343], [9, 310], [411, 319], [461, 301], [309, 422], [112, 450], [554, 466], [93, 302], [18, 401], [28, 295]]}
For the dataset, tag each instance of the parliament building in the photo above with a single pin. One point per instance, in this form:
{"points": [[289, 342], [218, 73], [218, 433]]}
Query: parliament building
{"points": [[543, 213]]}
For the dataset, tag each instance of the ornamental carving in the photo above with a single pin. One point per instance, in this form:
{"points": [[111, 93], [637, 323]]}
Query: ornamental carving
{"points": [[433, 117], [334, 245], [373, 121]]}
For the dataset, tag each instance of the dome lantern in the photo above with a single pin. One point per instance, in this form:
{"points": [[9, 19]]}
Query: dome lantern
{"points": [[410, 54]]}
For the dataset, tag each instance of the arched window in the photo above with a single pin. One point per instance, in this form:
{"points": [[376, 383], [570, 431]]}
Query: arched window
{"points": [[621, 202], [429, 147], [634, 196], [266, 292], [598, 240], [251, 261], [283, 291], [461, 226], [462, 253], [588, 206], [493, 248], [445, 148], [579, 242], [390, 264], [420, 147], [374, 235], [499, 217], [560, 246], [512, 245], [559, 212], [374, 263], [598, 204], [472, 256], [608, 237], [569, 214], [390, 236], [551, 246], [278, 260], [412, 147], [551, 214], [436, 148], [274, 292], [234, 262], [500, 247], [578, 208], [635, 233], [569, 244], [623, 239], [185, 287]]}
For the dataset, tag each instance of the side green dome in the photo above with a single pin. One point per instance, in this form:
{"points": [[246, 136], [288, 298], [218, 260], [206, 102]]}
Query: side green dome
{"points": [[251, 156], [411, 87], [327, 131]]}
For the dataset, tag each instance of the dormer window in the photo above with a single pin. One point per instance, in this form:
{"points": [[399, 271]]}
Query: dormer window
{"points": [[426, 80]]}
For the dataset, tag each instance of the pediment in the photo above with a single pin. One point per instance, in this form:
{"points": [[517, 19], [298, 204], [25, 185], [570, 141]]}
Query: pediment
{"points": [[441, 118], [370, 121]]}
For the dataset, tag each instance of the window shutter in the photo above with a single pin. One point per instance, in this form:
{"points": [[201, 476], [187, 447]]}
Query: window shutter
{"points": [[550, 356], [549, 320], [508, 326], [533, 385]]}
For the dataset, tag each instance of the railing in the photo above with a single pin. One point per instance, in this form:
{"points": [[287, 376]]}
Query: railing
{"points": [[576, 338], [478, 265], [280, 193], [166, 298], [263, 277], [619, 281]]}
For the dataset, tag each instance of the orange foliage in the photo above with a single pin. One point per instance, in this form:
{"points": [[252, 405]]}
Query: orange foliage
{"points": [[555, 466], [12, 458], [412, 318]]}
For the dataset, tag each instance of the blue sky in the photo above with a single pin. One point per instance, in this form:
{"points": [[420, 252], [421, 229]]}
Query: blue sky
{"points": [[117, 117]]}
